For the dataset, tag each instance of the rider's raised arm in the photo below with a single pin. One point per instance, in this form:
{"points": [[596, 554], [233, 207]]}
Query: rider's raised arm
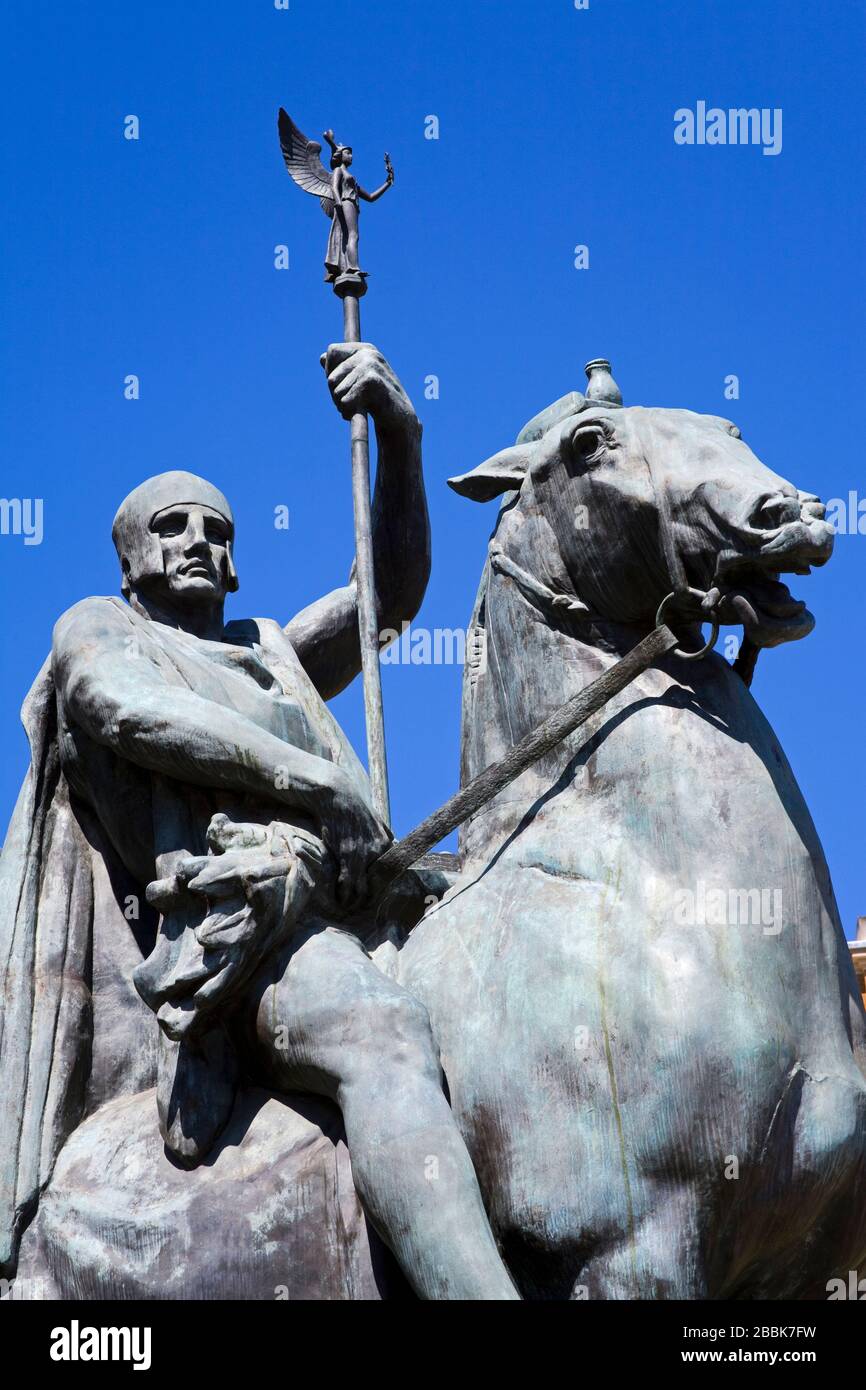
{"points": [[117, 694], [325, 635]]}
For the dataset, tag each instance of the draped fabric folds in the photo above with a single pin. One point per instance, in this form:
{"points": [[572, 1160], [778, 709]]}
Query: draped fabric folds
{"points": [[46, 921]]}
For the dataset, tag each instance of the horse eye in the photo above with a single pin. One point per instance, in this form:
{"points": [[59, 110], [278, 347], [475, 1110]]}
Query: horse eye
{"points": [[589, 443]]}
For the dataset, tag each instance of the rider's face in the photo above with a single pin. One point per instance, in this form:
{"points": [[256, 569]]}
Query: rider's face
{"points": [[194, 542], [347, 158]]}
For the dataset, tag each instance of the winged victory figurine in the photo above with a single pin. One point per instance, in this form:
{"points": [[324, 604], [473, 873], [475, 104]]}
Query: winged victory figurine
{"points": [[338, 192]]}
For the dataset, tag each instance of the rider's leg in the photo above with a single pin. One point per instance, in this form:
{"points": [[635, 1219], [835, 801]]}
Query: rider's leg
{"points": [[410, 1164], [349, 1032]]}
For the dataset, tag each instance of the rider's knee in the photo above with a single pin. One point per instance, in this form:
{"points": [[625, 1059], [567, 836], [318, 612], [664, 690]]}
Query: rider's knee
{"points": [[393, 1032]]}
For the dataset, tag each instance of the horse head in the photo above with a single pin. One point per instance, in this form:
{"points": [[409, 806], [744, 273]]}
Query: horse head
{"points": [[611, 508]]}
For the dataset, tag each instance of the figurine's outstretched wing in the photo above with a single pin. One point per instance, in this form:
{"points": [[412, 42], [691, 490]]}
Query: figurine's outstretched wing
{"points": [[303, 163]]}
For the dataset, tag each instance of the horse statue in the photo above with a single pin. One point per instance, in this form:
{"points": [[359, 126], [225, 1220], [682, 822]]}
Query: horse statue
{"points": [[639, 983], [648, 1021]]}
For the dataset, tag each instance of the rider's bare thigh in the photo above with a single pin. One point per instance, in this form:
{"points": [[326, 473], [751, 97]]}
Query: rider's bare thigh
{"points": [[323, 1006]]}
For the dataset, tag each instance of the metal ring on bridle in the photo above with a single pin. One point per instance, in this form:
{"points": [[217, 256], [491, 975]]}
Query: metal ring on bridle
{"points": [[709, 618]]}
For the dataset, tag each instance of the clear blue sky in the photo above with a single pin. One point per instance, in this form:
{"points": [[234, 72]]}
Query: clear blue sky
{"points": [[155, 257]]}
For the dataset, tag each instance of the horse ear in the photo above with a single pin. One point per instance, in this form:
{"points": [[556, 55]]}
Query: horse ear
{"points": [[504, 472]]}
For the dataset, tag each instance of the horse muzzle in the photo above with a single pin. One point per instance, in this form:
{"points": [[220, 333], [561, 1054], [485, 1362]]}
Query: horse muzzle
{"points": [[752, 592]]}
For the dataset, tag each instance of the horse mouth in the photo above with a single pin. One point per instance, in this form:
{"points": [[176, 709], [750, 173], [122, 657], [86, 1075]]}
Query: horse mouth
{"points": [[753, 594], [765, 606]]}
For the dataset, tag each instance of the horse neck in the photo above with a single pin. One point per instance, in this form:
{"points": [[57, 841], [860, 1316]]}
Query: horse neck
{"points": [[533, 659], [683, 746]]}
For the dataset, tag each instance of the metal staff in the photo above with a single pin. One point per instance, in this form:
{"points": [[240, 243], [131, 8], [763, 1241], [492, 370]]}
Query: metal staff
{"points": [[339, 195]]}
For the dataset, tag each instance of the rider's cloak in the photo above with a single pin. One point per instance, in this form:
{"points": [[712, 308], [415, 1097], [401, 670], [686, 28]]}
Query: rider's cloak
{"points": [[46, 919], [66, 945]]}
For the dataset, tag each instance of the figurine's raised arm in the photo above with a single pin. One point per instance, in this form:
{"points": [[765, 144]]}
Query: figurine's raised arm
{"points": [[383, 188], [325, 635]]}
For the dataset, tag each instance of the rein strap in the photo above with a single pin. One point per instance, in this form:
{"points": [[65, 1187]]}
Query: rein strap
{"points": [[576, 711]]}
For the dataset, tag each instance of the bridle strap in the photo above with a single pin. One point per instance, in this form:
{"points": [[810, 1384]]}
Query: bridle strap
{"points": [[676, 569], [533, 589]]}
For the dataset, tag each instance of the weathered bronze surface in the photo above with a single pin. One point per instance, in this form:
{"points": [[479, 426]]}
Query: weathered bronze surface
{"points": [[613, 1049]]}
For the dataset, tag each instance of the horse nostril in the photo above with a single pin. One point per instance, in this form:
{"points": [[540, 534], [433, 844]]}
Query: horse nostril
{"points": [[776, 511], [811, 507]]}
